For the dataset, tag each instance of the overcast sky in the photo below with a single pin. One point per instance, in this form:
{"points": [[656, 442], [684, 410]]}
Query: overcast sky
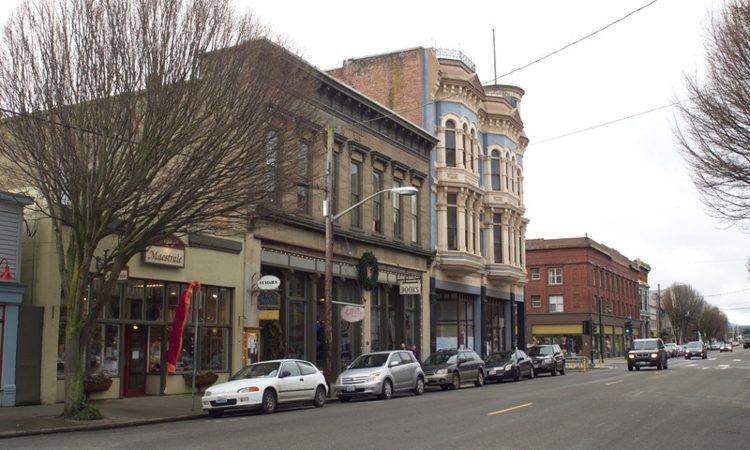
{"points": [[623, 184]]}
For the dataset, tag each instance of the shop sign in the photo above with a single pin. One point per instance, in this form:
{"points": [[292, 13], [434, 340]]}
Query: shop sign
{"points": [[269, 283], [410, 288], [122, 277], [169, 251], [268, 315], [268, 300], [352, 313]]}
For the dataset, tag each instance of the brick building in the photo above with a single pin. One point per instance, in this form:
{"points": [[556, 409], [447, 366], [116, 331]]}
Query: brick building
{"points": [[477, 223], [575, 280]]}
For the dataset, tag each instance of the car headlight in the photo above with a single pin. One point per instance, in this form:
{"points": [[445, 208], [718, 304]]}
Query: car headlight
{"points": [[631, 356], [441, 371], [509, 367], [207, 394], [247, 390], [338, 379], [373, 376], [654, 355]]}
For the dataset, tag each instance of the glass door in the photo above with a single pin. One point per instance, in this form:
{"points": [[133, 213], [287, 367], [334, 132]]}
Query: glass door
{"points": [[134, 373]]}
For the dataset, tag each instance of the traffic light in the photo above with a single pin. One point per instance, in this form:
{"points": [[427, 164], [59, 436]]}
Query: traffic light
{"points": [[628, 327], [596, 328], [587, 326]]}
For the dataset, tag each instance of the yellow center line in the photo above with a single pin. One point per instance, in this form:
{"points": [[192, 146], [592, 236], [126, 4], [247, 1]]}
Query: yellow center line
{"points": [[615, 382], [510, 409]]}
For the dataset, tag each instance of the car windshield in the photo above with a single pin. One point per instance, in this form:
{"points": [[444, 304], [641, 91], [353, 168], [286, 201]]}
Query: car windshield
{"points": [[541, 351], [501, 358], [644, 345], [259, 370], [441, 358], [694, 345], [366, 361]]}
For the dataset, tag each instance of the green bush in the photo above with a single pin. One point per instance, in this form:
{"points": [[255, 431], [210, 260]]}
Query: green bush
{"points": [[88, 412]]}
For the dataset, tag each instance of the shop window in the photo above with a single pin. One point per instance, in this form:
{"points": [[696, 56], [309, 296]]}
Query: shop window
{"points": [[113, 303], [173, 299], [154, 301], [225, 297], [375, 320], [455, 321], [214, 349], [104, 347], [154, 349], [210, 300], [187, 353], [134, 299]]}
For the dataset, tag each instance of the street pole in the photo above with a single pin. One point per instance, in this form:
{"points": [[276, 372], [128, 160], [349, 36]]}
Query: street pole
{"points": [[327, 316], [601, 333]]}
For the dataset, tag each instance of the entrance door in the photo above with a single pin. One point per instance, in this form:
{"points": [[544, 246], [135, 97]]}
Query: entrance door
{"points": [[134, 373]]}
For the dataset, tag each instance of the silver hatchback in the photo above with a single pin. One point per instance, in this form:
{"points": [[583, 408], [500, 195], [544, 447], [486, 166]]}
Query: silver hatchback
{"points": [[380, 374]]}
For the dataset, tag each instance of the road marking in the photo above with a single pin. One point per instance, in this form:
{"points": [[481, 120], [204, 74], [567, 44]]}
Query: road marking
{"points": [[509, 409], [737, 360], [724, 366], [615, 382]]}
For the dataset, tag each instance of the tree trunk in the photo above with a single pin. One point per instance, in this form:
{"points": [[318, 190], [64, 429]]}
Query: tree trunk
{"points": [[74, 372]]}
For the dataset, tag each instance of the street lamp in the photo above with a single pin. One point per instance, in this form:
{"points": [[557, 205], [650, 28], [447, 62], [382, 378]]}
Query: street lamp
{"points": [[327, 315]]}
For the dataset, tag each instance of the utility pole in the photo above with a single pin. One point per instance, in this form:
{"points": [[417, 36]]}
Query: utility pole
{"points": [[327, 316]]}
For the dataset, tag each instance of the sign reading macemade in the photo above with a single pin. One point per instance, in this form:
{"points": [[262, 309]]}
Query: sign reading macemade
{"points": [[169, 251]]}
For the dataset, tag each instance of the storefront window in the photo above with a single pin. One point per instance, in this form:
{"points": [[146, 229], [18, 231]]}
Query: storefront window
{"points": [[210, 299], [297, 321], [113, 303], [570, 344], [154, 301], [224, 299], [214, 349], [104, 350], [455, 321], [173, 299], [375, 320], [411, 321], [134, 299], [154, 349], [495, 324], [185, 360]]}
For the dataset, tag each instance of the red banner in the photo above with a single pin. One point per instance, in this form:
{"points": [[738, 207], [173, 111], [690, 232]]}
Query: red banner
{"points": [[180, 317]]}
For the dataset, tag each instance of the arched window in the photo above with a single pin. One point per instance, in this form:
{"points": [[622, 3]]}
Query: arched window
{"points": [[450, 143], [495, 170]]}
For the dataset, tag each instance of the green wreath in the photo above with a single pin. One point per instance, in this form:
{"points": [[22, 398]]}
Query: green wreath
{"points": [[368, 271]]}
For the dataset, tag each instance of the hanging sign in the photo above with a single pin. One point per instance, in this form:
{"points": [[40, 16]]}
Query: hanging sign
{"points": [[268, 315], [268, 300], [269, 283], [410, 288], [352, 313]]}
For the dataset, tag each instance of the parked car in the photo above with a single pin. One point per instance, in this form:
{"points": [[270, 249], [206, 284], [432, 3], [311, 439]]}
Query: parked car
{"points": [[647, 352], [715, 346], [726, 347], [450, 367], [266, 384], [672, 350], [547, 358], [695, 348], [380, 374], [509, 364]]}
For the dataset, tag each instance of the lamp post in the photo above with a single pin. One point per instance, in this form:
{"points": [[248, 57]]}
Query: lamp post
{"points": [[327, 314]]}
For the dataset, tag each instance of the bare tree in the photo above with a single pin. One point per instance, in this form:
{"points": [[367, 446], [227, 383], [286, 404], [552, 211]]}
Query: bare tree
{"points": [[713, 323], [715, 141], [131, 120], [682, 304]]}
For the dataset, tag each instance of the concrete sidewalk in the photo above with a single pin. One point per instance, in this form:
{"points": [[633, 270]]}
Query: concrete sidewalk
{"points": [[41, 419]]}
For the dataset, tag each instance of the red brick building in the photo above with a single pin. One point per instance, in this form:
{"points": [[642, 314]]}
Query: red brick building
{"points": [[577, 280]]}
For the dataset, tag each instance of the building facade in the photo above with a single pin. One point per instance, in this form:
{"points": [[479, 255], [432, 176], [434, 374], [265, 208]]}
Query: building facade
{"points": [[477, 223], [12, 314], [576, 281]]}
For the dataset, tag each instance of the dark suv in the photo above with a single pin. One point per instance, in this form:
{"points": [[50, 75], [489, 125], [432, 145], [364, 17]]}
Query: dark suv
{"points": [[647, 352], [449, 368], [547, 358]]}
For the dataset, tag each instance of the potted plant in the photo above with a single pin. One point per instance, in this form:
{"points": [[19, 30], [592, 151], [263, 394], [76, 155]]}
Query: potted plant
{"points": [[96, 382], [202, 378]]}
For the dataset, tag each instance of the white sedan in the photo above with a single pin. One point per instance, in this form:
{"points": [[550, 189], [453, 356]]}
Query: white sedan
{"points": [[266, 384]]}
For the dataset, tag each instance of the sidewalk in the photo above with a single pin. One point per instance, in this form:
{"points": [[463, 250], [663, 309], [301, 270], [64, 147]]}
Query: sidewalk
{"points": [[42, 419]]}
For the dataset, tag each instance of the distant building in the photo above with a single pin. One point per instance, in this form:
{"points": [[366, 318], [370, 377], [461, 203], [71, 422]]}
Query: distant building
{"points": [[577, 282], [477, 223]]}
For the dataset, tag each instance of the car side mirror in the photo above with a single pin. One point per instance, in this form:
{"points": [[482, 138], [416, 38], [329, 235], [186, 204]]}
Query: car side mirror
{"points": [[285, 374], [395, 363]]}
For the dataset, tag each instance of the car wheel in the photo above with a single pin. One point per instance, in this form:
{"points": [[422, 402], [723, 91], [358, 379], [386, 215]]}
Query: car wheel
{"points": [[480, 379], [455, 381], [215, 413], [531, 374], [659, 365], [536, 373], [562, 369], [269, 402], [666, 364], [517, 374], [320, 397], [686, 358], [387, 390], [630, 367], [553, 371], [344, 399], [419, 388]]}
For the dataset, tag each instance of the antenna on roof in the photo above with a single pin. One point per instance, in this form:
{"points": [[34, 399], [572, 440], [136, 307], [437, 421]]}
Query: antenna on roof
{"points": [[494, 55]]}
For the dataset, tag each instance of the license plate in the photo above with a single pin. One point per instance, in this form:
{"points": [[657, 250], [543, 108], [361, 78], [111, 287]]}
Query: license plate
{"points": [[221, 400], [536, 366], [492, 372], [350, 389]]}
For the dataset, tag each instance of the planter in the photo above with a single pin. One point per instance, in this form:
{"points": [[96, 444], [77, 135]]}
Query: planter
{"points": [[96, 386], [200, 381]]}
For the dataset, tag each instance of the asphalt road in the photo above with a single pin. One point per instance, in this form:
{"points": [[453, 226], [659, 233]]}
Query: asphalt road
{"points": [[696, 404]]}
